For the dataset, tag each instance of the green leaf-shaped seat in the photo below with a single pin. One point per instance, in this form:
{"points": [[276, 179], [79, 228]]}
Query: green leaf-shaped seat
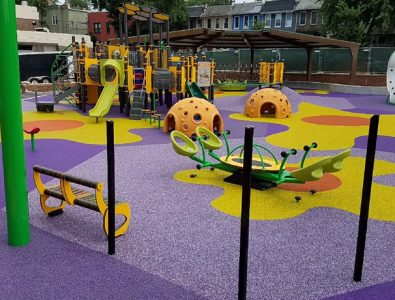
{"points": [[188, 149], [212, 142], [336, 163], [312, 172]]}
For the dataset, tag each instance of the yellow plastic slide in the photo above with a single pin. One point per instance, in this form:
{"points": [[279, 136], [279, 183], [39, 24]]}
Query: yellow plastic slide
{"points": [[103, 105]]}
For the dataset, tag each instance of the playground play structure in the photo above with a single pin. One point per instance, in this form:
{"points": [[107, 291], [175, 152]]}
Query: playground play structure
{"points": [[391, 79], [12, 146], [268, 102], [271, 73], [139, 73], [186, 115], [266, 172]]}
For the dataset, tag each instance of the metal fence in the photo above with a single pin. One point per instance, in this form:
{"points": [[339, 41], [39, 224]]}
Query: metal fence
{"points": [[325, 60]]}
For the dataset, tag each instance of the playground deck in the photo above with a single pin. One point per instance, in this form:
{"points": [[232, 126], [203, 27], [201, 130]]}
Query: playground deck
{"points": [[183, 241]]}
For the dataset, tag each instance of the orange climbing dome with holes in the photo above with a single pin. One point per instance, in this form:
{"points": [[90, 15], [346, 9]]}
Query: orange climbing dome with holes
{"points": [[268, 102], [189, 113]]}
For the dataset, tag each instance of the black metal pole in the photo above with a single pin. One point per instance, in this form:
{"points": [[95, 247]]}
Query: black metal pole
{"points": [[137, 33], [160, 46], [125, 19], [151, 37], [120, 17], [366, 191], [245, 212], [167, 33], [111, 187], [211, 93]]}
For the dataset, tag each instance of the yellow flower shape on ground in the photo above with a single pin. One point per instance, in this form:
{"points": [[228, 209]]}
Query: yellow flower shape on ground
{"points": [[277, 204], [83, 129], [328, 137]]}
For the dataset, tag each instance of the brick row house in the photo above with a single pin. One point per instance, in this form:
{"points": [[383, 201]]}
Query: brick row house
{"points": [[101, 27], [216, 17], [308, 18]]}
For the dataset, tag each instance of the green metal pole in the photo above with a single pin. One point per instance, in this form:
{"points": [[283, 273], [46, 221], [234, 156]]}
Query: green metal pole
{"points": [[32, 142], [14, 166]]}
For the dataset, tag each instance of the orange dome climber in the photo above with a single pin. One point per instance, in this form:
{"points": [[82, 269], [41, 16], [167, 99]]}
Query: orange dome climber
{"points": [[189, 113], [268, 102]]}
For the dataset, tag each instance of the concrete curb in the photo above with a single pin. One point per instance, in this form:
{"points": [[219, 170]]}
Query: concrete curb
{"points": [[339, 88]]}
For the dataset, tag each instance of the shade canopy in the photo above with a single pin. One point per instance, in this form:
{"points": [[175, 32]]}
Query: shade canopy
{"points": [[255, 39]]}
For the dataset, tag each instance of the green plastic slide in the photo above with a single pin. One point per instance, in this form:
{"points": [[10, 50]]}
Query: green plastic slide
{"points": [[195, 91], [103, 105]]}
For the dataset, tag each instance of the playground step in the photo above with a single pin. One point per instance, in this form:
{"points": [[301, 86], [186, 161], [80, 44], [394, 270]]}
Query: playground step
{"points": [[135, 113], [137, 104]]}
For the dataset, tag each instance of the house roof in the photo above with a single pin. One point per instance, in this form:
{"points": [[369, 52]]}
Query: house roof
{"points": [[195, 11], [308, 5], [278, 6], [217, 11], [246, 8]]}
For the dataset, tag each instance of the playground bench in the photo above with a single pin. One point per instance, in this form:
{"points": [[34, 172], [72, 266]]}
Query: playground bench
{"points": [[72, 195]]}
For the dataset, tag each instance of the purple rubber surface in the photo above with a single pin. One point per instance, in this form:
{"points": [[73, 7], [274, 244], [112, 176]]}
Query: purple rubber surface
{"points": [[384, 291], [384, 143], [178, 246], [53, 268], [56, 154], [175, 233]]}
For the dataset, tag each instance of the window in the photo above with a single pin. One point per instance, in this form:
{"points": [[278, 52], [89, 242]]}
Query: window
{"points": [[255, 20], [302, 18], [199, 23], [288, 20], [54, 20], [108, 27], [236, 22], [226, 23], [245, 22], [208, 23], [216, 22], [96, 27], [268, 21], [277, 21], [314, 17]]}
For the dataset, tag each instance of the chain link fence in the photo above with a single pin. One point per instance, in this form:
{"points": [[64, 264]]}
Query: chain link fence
{"points": [[325, 60]]}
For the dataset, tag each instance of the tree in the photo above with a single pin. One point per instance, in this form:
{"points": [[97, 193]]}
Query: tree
{"points": [[259, 25], [79, 4], [42, 8], [355, 20]]}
